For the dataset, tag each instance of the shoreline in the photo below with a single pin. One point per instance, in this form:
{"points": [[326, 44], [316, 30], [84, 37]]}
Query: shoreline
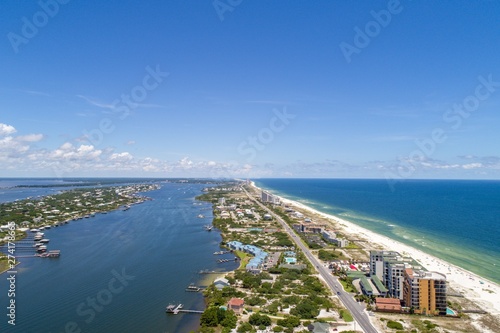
{"points": [[460, 279]]}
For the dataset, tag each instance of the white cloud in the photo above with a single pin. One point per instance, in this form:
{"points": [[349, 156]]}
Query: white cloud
{"points": [[6, 129], [121, 157], [30, 137], [472, 166]]}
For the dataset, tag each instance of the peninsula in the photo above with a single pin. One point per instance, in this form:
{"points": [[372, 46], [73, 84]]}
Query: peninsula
{"points": [[283, 282]]}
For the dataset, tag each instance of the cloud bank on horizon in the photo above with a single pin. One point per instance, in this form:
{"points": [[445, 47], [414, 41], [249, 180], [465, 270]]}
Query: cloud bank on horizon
{"points": [[374, 89]]}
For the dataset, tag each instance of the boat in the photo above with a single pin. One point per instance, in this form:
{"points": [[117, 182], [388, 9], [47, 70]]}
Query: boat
{"points": [[208, 228], [42, 248], [172, 308], [201, 216], [45, 240], [193, 287]]}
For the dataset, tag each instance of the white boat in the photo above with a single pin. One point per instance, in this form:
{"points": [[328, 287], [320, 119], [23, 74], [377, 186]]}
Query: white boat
{"points": [[45, 240]]}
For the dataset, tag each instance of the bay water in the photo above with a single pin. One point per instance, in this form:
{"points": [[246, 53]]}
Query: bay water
{"points": [[118, 271]]}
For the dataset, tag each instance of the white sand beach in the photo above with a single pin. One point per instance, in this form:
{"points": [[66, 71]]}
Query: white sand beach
{"points": [[481, 291]]}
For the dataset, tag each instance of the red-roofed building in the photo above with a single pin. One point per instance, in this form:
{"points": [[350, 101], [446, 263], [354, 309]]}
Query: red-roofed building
{"points": [[236, 304], [388, 304]]}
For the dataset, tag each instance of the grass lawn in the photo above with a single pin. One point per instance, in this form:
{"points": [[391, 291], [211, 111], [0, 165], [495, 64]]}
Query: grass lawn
{"points": [[244, 259]]}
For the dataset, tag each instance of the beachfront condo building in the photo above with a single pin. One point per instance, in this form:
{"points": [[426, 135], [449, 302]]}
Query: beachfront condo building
{"points": [[377, 262], [269, 198], [425, 292], [389, 267]]}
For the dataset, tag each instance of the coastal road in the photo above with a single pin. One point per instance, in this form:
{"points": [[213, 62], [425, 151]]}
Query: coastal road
{"points": [[357, 310]]}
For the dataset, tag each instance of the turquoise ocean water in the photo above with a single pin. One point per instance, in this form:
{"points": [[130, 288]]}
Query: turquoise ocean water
{"points": [[455, 220], [157, 248]]}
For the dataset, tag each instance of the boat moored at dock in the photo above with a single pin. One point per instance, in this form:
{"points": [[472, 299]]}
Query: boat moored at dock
{"points": [[193, 288]]}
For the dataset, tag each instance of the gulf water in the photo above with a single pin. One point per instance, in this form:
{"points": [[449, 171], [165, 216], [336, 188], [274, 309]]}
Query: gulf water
{"points": [[157, 248], [455, 220]]}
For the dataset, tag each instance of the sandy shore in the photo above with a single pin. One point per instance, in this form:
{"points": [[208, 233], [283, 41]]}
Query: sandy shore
{"points": [[483, 292]]}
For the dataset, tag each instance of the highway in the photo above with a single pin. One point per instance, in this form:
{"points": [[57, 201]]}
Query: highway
{"points": [[357, 310]]}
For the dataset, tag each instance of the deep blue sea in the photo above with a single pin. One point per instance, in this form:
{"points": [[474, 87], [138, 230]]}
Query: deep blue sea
{"points": [[455, 220], [157, 248]]}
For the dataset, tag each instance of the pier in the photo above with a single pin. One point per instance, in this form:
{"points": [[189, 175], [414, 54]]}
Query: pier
{"points": [[176, 309], [206, 271]]}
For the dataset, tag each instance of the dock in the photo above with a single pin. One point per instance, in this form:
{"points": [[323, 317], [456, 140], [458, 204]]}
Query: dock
{"points": [[206, 271], [176, 309]]}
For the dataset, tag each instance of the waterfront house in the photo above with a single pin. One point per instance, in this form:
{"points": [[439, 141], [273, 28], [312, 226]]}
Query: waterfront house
{"points": [[236, 304], [235, 245], [220, 283]]}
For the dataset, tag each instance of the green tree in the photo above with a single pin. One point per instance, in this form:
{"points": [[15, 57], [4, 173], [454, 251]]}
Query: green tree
{"points": [[244, 327], [257, 319], [289, 321], [229, 320], [305, 310], [209, 317]]}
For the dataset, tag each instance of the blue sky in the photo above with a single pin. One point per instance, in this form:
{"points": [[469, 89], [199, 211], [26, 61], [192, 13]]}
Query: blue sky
{"points": [[230, 88]]}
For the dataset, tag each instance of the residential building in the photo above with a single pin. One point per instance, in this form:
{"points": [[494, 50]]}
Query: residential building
{"points": [[220, 283], [389, 267], [425, 292], [256, 263], [329, 235], [382, 290], [236, 304], [267, 197], [388, 304], [377, 262], [341, 242]]}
